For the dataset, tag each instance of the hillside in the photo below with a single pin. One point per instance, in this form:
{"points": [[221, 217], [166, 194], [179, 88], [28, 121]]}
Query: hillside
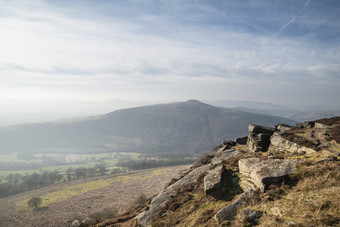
{"points": [[97, 197], [188, 128], [282, 176]]}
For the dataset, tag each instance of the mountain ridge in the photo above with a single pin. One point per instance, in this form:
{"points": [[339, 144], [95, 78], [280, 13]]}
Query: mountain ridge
{"points": [[183, 127]]}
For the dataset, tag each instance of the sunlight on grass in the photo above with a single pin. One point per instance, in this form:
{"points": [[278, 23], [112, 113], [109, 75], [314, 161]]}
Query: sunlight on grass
{"points": [[78, 189]]}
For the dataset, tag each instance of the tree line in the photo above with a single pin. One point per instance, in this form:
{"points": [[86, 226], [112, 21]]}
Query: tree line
{"points": [[16, 183]]}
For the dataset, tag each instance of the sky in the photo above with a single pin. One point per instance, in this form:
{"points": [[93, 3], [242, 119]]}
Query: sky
{"points": [[278, 51]]}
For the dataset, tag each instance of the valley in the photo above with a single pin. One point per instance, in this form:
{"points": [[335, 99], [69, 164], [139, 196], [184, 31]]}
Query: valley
{"points": [[65, 202]]}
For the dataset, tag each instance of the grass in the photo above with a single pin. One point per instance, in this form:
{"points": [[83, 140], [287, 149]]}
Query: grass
{"points": [[334, 147], [313, 200], [13, 157], [67, 192], [108, 159]]}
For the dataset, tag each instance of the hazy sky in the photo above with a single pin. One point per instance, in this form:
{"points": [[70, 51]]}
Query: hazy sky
{"points": [[272, 51]]}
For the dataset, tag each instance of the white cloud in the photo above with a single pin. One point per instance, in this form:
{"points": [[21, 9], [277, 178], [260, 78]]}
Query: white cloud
{"points": [[47, 48]]}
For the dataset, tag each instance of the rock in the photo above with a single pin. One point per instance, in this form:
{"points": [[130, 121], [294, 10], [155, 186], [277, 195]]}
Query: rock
{"points": [[319, 125], [75, 223], [259, 173], [259, 138], [228, 212], [290, 223], [276, 211], [225, 145], [257, 129], [280, 144], [146, 218], [224, 156], [307, 124], [241, 140], [258, 142], [88, 221], [213, 182], [283, 127], [249, 216]]}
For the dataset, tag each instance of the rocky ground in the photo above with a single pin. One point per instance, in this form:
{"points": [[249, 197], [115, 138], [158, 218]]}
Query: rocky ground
{"points": [[282, 176], [110, 200]]}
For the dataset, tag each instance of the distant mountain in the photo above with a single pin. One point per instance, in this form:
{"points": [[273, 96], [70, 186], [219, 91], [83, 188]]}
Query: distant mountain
{"points": [[186, 127], [298, 113]]}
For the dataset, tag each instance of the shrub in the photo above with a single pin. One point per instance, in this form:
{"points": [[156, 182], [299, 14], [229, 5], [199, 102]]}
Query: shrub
{"points": [[35, 202]]}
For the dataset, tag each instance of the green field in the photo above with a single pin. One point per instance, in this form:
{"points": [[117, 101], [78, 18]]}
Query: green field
{"points": [[84, 160]]}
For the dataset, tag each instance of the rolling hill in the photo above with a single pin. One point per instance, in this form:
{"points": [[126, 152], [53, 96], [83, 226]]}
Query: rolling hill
{"points": [[188, 128]]}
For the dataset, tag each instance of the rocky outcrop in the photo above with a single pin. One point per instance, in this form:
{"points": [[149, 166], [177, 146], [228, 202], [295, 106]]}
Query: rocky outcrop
{"points": [[228, 212], [214, 182], [282, 145], [307, 124], [242, 140], [320, 125], [259, 173], [146, 218], [217, 151], [225, 155], [283, 127], [259, 138]]}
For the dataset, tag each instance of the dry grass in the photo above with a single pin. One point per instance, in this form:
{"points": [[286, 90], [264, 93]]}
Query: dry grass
{"points": [[311, 198]]}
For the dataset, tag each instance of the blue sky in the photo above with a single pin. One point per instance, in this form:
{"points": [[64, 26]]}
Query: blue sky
{"points": [[284, 52]]}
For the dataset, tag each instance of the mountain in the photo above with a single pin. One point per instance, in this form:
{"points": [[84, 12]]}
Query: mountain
{"points": [[188, 128], [298, 113]]}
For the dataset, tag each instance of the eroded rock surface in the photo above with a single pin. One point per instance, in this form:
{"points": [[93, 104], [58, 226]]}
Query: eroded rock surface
{"points": [[259, 138], [214, 181], [146, 218], [280, 144], [228, 212], [259, 173], [225, 155]]}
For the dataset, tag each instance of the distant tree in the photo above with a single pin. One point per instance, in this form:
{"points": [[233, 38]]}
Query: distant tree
{"points": [[35, 202], [69, 174], [101, 169]]}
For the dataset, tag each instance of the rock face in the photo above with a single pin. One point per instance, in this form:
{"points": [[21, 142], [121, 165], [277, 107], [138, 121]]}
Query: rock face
{"points": [[214, 182], [259, 138], [259, 173], [241, 140], [307, 124], [217, 151], [224, 156], [75, 223], [283, 127], [146, 218], [228, 212], [280, 144]]}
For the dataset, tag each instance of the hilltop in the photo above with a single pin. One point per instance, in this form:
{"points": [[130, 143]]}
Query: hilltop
{"points": [[282, 176], [185, 128]]}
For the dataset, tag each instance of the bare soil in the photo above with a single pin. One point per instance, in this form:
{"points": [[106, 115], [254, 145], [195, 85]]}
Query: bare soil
{"points": [[120, 195]]}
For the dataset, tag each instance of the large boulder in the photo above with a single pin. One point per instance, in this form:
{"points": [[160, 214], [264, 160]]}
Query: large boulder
{"points": [[259, 138], [214, 182], [260, 174], [280, 144], [228, 212], [225, 155], [146, 218], [242, 140]]}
